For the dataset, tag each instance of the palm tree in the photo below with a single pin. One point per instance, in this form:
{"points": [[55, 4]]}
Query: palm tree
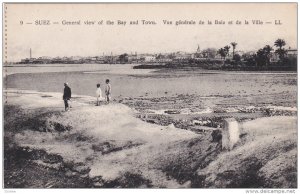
{"points": [[280, 43], [267, 49], [227, 48], [233, 47]]}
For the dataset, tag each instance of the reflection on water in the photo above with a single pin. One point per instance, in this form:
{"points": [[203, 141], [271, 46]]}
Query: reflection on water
{"points": [[130, 82], [89, 68]]}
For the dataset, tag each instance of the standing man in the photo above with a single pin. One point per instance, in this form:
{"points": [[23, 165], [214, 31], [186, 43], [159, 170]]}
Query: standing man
{"points": [[107, 91], [67, 96]]}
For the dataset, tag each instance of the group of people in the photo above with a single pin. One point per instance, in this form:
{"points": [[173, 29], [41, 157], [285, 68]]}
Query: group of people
{"points": [[107, 93], [68, 94]]}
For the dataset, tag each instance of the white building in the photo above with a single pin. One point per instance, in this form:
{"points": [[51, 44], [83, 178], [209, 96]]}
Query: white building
{"points": [[149, 58]]}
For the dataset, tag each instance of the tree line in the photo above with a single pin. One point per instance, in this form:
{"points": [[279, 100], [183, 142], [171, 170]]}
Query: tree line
{"points": [[261, 59]]}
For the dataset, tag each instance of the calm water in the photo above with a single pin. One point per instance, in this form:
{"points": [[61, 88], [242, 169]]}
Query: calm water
{"points": [[129, 82]]}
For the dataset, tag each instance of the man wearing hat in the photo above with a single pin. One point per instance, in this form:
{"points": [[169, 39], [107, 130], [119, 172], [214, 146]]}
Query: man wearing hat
{"points": [[67, 96]]}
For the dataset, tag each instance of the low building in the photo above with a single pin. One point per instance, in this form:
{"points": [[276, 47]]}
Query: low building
{"points": [[150, 58], [292, 53]]}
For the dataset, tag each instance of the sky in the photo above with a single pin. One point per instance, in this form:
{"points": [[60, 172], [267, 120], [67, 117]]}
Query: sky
{"points": [[93, 40]]}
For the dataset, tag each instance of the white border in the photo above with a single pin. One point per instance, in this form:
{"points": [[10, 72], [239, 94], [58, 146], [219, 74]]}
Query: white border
{"points": [[132, 191]]}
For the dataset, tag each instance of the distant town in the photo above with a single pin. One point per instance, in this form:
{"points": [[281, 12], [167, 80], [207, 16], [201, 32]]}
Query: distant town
{"points": [[229, 57]]}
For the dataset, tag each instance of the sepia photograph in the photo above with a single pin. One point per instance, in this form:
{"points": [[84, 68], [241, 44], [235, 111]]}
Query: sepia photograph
{"points": [[150, 95]]}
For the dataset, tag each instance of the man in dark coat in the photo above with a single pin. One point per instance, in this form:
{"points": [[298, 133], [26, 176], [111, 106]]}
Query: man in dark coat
{"points": [[67, 96]]}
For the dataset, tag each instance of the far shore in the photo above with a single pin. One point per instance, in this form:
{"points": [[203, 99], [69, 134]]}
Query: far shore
{"points": [[137, 69]]}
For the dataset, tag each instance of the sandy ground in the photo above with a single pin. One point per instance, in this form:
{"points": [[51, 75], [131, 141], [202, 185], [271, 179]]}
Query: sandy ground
{"points": [[112, 145]]}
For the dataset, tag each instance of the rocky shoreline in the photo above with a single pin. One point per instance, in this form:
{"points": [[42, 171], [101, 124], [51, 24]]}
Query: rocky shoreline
{"points": [[190, 112]]}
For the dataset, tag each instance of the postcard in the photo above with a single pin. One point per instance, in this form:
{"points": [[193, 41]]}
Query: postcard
{"points": [[150, 95]]}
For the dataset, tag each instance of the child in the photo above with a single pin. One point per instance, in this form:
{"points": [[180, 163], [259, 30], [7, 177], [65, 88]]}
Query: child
{"points": [[98, 94], [107, 91]]}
